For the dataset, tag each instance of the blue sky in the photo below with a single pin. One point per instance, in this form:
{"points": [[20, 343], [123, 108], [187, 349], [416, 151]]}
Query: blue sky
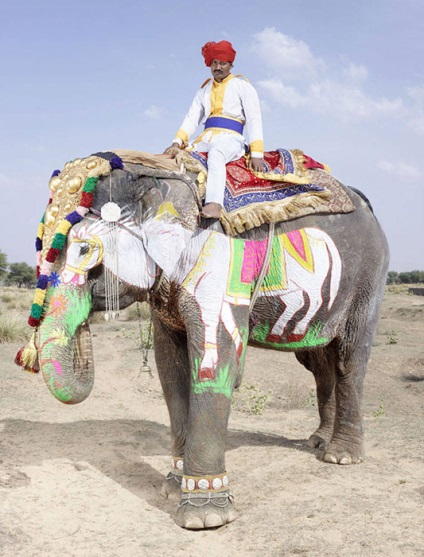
{"points": [[344, 81]]}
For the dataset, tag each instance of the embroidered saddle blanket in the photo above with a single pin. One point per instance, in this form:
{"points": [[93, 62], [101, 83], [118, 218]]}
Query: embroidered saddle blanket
{"points": [[292, 185]]}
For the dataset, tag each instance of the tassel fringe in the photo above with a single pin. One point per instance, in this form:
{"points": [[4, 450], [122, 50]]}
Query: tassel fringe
{"points": [[27, 357]]}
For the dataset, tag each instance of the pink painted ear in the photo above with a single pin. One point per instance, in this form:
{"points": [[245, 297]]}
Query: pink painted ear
{"points": [[82, 232], [79, 233], [165, 242], [73, 234]]}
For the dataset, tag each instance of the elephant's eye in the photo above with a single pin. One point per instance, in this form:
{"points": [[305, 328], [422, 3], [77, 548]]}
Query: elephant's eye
{"points": [[84, 249]]}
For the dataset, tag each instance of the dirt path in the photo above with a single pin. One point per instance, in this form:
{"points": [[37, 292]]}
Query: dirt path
{"points": [[85, 480]]}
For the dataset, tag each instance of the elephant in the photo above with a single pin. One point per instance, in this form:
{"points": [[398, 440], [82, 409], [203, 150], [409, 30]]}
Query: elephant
{"points": [[319, 298]]}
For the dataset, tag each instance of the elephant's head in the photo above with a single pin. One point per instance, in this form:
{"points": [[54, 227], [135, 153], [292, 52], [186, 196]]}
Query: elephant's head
{"points": [[158, 217]]}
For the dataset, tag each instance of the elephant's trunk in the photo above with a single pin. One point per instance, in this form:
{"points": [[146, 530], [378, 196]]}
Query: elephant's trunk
{"points": [[64, 344]]}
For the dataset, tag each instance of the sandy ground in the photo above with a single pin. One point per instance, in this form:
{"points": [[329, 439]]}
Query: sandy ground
{"points": [[85, 480]]}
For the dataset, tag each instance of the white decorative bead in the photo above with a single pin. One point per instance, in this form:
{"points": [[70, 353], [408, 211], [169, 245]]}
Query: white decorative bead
{"points": [[111, 212], [180, 465], [217, 483], [203, 484], [225, 481], [191, 484], [183, 483]]}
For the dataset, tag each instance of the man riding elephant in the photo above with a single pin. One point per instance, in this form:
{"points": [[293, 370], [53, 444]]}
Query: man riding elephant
{"points": [[225, 105]]}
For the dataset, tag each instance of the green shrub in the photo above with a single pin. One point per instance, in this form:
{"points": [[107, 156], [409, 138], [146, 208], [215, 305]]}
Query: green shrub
{"points": [[250, 399], [392, 337], [311, 399], [380, 410]]}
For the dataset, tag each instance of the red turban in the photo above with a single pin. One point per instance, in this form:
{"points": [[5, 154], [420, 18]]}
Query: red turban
{"points": [[222, 51]]}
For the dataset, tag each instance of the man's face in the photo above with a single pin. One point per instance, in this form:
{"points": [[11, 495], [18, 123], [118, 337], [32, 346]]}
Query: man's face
{"points": [[220, 70]]}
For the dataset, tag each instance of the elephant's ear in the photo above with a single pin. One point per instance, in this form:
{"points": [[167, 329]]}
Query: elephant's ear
{"points": [[165, 240]]}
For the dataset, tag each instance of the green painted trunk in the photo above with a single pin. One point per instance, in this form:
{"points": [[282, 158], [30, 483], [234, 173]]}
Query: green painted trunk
{"points": [[64, 343]]}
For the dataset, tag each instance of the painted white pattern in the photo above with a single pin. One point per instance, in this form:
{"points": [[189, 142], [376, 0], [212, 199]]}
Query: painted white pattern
{"points": [[200, 262]]}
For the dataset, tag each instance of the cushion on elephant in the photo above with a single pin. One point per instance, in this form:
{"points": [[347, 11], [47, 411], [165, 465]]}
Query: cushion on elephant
{"points": [[292, 185]]}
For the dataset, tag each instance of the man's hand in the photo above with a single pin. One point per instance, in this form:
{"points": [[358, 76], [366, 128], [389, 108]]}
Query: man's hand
{"points": [[172, 150], [255, 164]]}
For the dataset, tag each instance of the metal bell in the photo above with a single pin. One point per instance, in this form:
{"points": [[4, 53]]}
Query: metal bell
{"points": [[146, 369]]}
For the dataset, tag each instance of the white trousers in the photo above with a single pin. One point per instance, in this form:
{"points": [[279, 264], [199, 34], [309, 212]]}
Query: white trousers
{"points": [[222, 149]]}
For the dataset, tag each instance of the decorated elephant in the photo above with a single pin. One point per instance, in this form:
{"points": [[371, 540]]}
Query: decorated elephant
{"points": [[312, 285]]}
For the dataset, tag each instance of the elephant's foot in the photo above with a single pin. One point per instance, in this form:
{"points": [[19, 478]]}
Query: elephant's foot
{"points": [[198, 511], [320, 438], [341, 451], [171, 487]]}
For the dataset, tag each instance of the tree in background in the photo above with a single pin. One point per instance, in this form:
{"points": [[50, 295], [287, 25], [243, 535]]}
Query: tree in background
{"points": [[411, 277], [392, 277], [3, 265], [21, 275]]}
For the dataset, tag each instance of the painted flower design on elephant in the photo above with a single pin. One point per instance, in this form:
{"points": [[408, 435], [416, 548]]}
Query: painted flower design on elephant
{"points": [[59, 337], [58, 304], [54, 279]]}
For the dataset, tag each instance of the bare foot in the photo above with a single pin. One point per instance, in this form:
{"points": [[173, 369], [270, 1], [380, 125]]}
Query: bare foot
{"points": [[211, 211]]}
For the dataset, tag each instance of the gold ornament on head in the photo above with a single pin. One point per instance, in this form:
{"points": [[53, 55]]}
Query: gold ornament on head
{"points": [[54, 183], [91, 163], [51, 214], [74, 184], [66, 189]]}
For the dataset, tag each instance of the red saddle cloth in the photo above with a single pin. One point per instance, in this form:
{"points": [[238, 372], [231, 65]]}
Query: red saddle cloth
{"points": [[291, 185], [281, 163]]}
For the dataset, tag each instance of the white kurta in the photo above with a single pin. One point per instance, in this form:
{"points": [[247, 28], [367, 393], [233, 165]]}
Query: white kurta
{"points": [[235, 99]]}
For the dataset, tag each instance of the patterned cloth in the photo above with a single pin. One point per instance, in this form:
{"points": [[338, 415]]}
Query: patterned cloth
{"points": [[287, 189]]}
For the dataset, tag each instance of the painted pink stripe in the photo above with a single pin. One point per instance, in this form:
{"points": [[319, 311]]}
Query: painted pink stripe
{"points": [[253, 257], [296, 240], [57, 367]]}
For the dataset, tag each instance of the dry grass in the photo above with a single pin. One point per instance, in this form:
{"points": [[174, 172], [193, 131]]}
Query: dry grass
{"points": [[13, 327], [401, 288], [16, 299], [15, 306]]}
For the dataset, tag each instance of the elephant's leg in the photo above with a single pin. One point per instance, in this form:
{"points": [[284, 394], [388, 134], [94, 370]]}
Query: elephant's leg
{"points": [[206, 501], [172, 362], [351, 354], [346, 445], [321, 363]]}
